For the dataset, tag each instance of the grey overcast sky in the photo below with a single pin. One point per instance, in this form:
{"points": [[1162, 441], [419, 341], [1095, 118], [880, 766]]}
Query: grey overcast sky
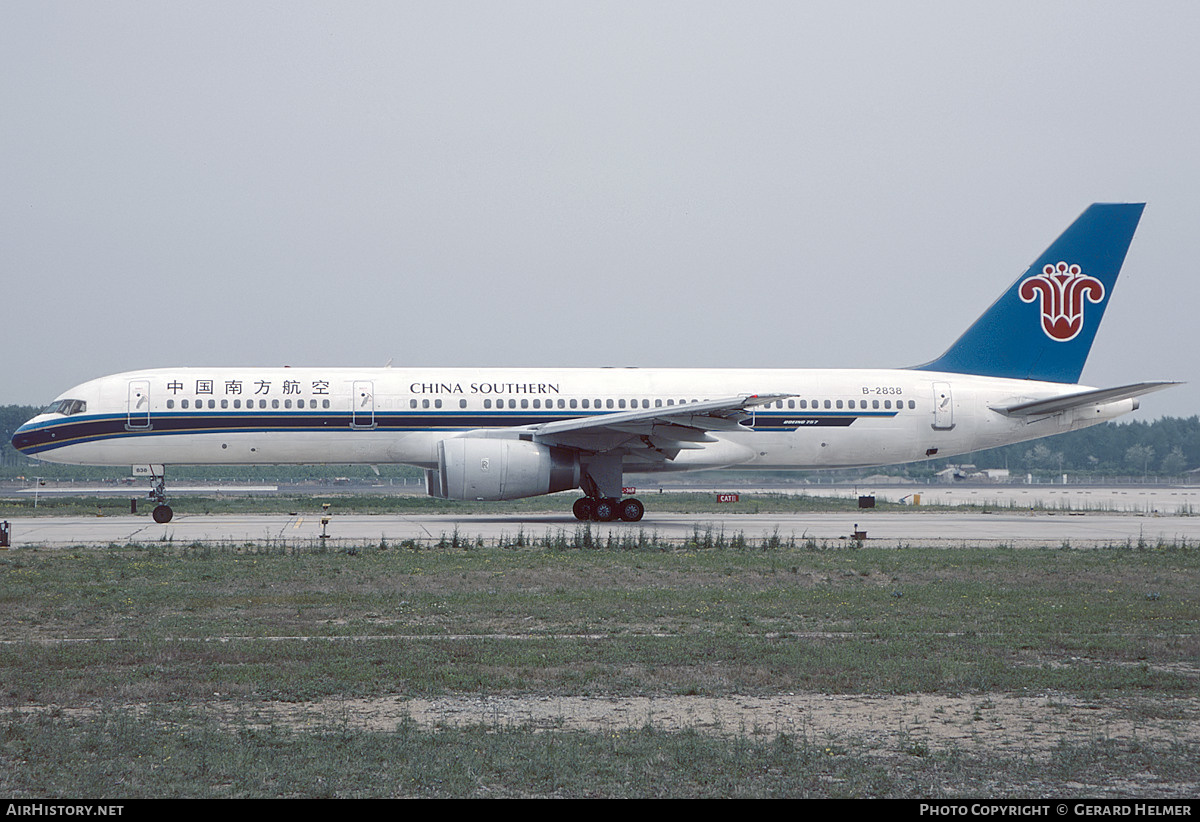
{"points": [[577, 184]]}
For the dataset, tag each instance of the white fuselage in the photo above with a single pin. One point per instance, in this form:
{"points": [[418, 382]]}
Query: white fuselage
{"points": [[831, 418]]}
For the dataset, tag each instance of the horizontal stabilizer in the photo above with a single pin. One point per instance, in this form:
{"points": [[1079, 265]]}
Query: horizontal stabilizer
{"points": [[1082, 398]]}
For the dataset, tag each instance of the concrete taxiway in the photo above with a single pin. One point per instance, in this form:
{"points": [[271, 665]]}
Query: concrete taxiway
{"points": [[882, 528], [1128, 499]]}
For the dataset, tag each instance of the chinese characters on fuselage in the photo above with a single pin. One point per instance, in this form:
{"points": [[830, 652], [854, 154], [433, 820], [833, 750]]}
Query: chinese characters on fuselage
{"points": [[261, 387]]}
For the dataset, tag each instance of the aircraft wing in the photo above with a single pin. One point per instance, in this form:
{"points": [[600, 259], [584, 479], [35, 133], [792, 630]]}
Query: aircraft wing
{"points": [[1093, 397], [653, 433]]}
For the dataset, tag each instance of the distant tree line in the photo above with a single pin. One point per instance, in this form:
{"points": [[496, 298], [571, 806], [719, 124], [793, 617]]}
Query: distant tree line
{"points": [[13, 417], [1166, 447]]}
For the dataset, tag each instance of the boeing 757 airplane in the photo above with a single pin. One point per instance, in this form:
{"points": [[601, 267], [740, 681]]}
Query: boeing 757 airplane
{"points": [[505, 433]]}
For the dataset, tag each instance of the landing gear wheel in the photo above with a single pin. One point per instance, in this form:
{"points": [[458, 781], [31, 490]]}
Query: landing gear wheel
{"points": [[631, 509], [162, 512], [604, 510], [583, 509]]}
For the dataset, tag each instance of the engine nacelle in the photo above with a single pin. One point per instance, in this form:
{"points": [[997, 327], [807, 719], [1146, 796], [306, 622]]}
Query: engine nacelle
{"points": [[484, 468]]}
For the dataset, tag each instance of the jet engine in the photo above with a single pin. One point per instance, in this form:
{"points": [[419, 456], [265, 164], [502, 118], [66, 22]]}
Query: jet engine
{"points": [[485, 468]]}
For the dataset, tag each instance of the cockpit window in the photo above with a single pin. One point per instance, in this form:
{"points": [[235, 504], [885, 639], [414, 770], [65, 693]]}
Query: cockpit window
{"points": [[66, 407]]}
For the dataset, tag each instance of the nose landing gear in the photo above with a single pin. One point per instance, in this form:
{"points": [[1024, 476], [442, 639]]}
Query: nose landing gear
{"points": [[162, 512]]}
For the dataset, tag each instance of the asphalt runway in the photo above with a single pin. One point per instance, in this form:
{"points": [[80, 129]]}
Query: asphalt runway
{"points": [[882, 528]]}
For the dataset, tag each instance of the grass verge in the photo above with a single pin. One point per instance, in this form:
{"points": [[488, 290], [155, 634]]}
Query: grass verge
{"points": [[156, 659]]}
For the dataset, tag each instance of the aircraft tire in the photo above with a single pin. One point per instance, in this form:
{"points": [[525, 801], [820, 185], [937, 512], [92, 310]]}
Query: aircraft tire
{"points": [[583, 509], [162, 514], [604, 510], [631, 509]]}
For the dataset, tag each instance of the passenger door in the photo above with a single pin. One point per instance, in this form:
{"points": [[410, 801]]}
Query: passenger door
{"points": [[138, 408], [943, 407], [362, 414]]}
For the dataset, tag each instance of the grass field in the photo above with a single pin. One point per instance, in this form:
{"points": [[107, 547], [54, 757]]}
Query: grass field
{"points": [[298, 670]]}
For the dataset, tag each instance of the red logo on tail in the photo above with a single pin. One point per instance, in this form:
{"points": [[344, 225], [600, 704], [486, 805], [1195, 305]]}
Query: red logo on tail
{"points": [[1062, 289]]}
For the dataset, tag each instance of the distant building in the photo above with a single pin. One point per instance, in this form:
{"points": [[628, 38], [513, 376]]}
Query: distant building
{"points": [[961, 473], [882, 479]]}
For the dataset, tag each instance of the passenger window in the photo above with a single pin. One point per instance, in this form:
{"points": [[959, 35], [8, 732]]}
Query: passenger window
{"points": [[487, 403], [462, 403], [827, 403], [839, 403], [170, 403], [274, 403]]}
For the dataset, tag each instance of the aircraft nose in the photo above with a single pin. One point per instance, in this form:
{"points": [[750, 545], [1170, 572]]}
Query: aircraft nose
{"points": [[23, 438]]}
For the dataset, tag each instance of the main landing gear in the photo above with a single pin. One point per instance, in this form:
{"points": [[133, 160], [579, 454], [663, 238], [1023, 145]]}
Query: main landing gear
{"points": [[602, 487], [606, 509]]}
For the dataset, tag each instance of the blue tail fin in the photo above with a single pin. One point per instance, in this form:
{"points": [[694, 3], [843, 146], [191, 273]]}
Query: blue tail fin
{"points": [[1042, 327]]}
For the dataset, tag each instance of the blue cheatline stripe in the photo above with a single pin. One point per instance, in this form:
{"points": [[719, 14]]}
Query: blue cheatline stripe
{"points": [[48, 436]]}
